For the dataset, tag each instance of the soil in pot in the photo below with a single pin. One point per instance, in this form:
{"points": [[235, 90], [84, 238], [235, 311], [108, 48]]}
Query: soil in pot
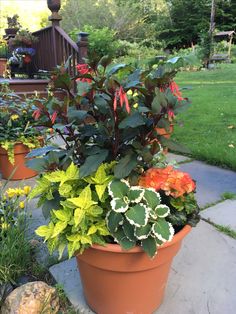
{"points": [[18, 171], [126, 282]]}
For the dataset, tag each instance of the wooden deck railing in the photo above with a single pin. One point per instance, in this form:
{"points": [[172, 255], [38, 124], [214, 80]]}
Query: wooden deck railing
{"points": [[53, 48]]}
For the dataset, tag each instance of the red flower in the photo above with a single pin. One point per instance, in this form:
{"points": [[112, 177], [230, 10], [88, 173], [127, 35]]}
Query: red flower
{"points": [[36, 114], [175, 90], [53, 117], [120, 95], [27, 59], [82, 70]]}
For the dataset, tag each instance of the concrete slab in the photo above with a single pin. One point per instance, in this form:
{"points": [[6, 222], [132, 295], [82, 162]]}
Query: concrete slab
{"points": [[13, 184], [178, 158], [67, 274], [212, 181], [202, 279], [222, 214]]}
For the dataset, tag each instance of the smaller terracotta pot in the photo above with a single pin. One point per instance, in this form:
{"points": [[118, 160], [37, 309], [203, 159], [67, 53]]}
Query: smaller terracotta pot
{"points": [[3, 66], [121, 282], [163, 132], [20, 170]]}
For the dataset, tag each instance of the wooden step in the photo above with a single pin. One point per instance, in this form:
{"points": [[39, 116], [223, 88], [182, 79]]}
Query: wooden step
{"points": [[25, 86]]}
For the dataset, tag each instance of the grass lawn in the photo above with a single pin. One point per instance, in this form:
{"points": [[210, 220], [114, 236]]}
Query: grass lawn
{"points": [[209, 125]]}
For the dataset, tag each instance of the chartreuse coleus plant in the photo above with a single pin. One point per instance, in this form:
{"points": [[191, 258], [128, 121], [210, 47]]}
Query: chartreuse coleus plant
{"points": [[78, 208], [137, 217]]}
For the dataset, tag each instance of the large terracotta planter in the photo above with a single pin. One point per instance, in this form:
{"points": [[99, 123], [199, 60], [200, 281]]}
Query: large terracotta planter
{"points": [[126, 282], [19, 168]]}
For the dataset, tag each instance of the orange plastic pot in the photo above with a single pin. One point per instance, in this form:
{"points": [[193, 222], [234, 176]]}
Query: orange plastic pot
{"points": [[19, 170], [126, 282], [163, 132]]}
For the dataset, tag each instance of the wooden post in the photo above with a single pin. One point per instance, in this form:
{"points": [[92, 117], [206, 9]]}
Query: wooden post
{"points": [[54, 6], [230, 44], [83, 46]]}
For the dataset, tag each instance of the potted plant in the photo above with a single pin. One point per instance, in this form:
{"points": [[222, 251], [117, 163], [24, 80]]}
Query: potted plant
{"points": [[3, 57], [24, 38], [19, 133], [13, 25], [110, 197]]}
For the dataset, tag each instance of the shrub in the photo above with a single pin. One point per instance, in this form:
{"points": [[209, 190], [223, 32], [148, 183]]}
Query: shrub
{"points": [[101, 41]]}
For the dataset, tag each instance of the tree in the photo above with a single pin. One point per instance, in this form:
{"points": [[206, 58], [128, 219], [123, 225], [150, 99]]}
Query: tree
{"points": [[186, 20], [125, 18]]}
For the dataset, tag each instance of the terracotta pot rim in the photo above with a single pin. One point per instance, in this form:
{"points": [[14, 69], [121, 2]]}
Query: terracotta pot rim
{"points": [[137, 249]]}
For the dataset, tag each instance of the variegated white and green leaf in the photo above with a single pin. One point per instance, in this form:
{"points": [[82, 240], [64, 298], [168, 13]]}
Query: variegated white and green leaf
{"points": [[142, 233], [129, 230], [118, 188], [135, 194], [152, 197], [138, 215], [162, 210], [119, 205], [163, 230], [149, 246], [113, 220]]}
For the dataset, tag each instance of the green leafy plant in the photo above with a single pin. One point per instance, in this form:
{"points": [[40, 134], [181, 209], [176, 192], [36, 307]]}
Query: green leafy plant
{"points": [[17, 124], [13, 21], [15, 248], [138, 217], [23, 38], [79, 207], [114, 116], [95, 190]]}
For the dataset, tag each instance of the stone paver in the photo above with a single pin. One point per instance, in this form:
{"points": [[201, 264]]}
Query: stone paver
{"points": [[178, 158], [212, 181], [67, 274], [202, 279], [222, 214]]}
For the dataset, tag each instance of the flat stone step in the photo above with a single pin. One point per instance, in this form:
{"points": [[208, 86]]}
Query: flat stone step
{"points": [[202, 278], [212, 181], [223, 214]]}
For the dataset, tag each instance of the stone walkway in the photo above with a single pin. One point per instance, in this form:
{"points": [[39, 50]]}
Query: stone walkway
{"points": [[203, 275]]}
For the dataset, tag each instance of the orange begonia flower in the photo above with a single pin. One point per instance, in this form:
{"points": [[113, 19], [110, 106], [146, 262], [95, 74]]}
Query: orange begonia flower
{"points": [[173, 182]]}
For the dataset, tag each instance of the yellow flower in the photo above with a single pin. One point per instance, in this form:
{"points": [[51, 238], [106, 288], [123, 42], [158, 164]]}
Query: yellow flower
{"points": [[135, 94], [14, 117], [129, 92], [27, 189], [135, 105], [11, 192], [5, 225], [22, 205], [19, 192], [24, 111]]}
